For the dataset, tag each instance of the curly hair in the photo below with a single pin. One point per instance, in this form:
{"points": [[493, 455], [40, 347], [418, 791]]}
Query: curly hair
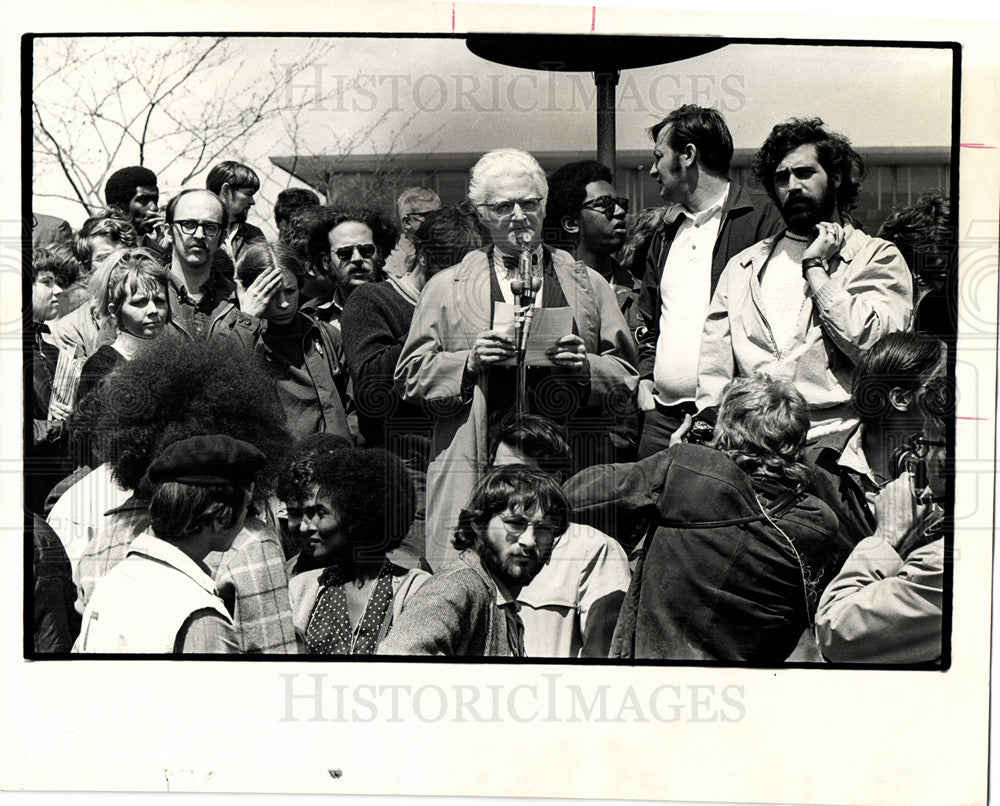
{"points": [[923, 233], [762, 427], [296, 475], [174, 389], [298, 231], [567, 192], [372, 493], [511, 487], [905, 361], [384, 233], [834, 152]]}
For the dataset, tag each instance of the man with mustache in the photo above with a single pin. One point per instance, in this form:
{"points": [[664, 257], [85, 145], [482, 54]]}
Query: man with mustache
{"points": [[199, 296], [505, 536], [803, 305], [710, 219], [348, 245]]}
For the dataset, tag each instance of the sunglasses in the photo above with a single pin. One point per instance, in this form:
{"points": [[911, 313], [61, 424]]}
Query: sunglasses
{"points": [[366, 250], [189, 227], [606, 205]]}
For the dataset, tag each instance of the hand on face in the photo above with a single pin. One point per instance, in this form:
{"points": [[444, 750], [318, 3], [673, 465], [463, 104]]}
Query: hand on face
{"points": [[254, 300], [828, 242]]}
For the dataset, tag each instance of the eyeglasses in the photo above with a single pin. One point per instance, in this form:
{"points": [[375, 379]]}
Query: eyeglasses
{"points": [[606, 205], [517, 525], [506, 208], [366, 250], [189, 227], [919, 445]]}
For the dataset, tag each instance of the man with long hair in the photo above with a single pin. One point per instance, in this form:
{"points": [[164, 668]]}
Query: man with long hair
{"points": [[805, 304], [505, 537]]}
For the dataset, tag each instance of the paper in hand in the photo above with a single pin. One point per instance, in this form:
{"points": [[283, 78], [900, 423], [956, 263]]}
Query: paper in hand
{"points": [[548, 325]]}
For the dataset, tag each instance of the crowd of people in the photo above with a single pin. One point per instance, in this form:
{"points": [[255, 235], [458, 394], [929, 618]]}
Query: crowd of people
{"points": [[533, 424]]}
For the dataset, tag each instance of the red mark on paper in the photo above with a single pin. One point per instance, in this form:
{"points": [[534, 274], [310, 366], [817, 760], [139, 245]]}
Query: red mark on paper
{"points": [[453, 18], [593, 19], [975, 145], [981, 419]]}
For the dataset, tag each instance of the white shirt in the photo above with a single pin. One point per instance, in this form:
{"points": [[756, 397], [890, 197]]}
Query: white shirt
{"points": [[685, 293], [504, 276], [784, 290]]}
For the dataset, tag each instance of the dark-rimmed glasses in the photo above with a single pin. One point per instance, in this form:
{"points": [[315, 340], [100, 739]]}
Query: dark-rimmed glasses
{"points": [[606, 205], [189, 226]]}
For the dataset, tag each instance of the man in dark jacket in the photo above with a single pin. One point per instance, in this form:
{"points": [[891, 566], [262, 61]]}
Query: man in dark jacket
{"points": [[236, 185], [710, 220], [737, 554]]}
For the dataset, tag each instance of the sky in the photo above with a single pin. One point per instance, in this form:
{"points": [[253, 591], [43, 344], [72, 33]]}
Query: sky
{"points": [[435, 95]]}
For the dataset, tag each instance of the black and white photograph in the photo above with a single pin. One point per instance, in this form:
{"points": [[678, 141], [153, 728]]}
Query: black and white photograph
{"points": [[408, 384]]}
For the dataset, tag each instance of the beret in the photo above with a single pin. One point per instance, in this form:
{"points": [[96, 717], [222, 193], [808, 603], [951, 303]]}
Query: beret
{"points": [[208, 460]]}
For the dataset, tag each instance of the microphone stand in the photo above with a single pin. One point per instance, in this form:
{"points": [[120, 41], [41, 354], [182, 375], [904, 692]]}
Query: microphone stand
{"points": [[525, 287]]}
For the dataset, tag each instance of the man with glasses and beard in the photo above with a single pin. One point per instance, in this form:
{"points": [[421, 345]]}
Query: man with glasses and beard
{"points": [[505, 536], [806, 303]]}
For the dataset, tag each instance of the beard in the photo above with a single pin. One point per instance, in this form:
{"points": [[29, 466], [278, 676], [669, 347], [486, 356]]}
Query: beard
{"points": [[802, 213], [514, 575]]}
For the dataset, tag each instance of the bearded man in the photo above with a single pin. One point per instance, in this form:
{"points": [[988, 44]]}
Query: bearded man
{"points": [[804, 304], [505, 537]]}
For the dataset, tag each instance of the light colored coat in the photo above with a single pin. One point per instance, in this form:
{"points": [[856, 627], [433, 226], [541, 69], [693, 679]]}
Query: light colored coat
{"points": [[454, 308], [869, 294]]}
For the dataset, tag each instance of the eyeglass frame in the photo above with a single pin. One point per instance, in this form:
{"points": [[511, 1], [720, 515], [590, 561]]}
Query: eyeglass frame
{"points": [[516, 531], [189, 226], [608, 203], [529, 206], [361, 248]]}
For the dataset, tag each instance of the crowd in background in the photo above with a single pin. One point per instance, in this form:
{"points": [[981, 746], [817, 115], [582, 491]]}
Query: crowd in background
{"points": [[726, 441]]}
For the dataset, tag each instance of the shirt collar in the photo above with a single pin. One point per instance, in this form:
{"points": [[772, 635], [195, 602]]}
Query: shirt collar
{"points": [[503, 594], [678, 210], [152, 547], [853, 456]]}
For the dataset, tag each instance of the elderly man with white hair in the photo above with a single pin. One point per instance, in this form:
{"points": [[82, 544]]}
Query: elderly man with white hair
{"points": [[457, 364]]}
